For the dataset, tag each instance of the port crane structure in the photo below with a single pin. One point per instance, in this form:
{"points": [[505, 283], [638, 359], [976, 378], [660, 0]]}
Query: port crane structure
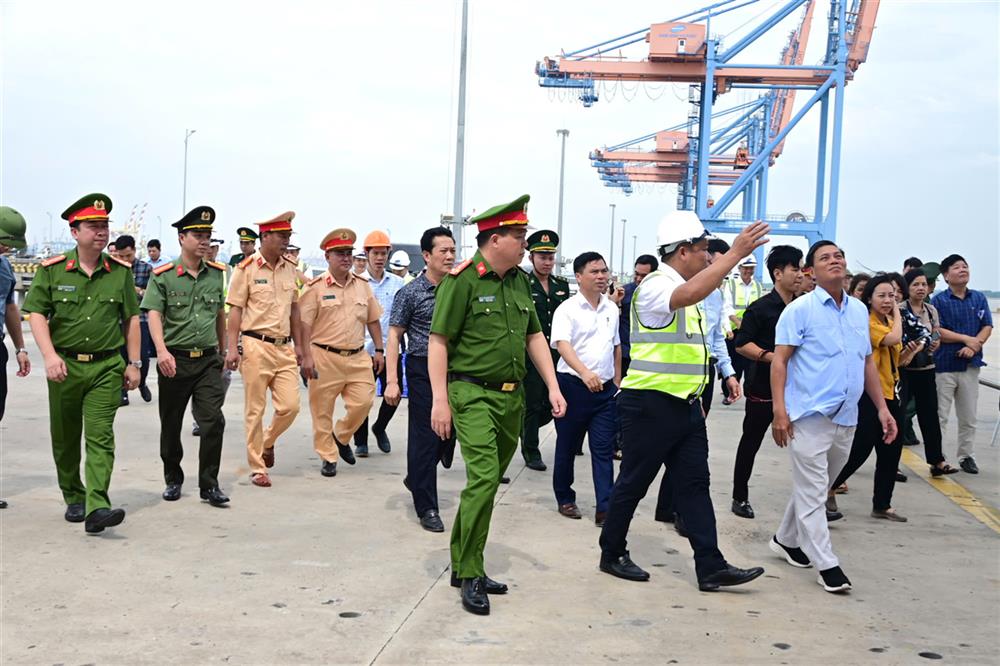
{"points": [[684, 50]]}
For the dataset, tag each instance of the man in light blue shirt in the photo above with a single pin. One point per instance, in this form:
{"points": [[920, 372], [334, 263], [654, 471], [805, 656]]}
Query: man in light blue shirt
{"points": [[822, 362]]}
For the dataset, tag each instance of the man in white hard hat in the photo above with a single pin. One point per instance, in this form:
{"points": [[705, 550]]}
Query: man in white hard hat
{"points": [[659, 407], [360, 262], [740, 293], [399, 264]]}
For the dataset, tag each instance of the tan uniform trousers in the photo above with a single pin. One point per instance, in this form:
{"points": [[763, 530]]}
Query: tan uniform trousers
{"points": [[350, 376], [267, 366]]}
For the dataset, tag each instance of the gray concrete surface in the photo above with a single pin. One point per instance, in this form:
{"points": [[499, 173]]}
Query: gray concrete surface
{"points": [[317, 570]]}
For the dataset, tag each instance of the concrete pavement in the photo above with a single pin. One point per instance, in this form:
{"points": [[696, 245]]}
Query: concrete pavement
{"points": [[317, 570]]}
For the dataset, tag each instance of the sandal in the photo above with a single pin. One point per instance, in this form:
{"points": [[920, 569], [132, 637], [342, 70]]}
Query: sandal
{"points": [[941, 471], [889, 514], [268, 457], [841, 489], [262, 480]]}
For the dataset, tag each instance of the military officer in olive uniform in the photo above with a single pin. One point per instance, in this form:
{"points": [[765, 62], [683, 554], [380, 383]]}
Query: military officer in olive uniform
{"points": [[187, 322], [83, 309], [548, 291], [248, 245], [483, 321]]}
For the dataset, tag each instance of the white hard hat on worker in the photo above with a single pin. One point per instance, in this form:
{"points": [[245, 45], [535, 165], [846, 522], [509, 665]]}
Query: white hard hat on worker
{"points": [[678, 227]]}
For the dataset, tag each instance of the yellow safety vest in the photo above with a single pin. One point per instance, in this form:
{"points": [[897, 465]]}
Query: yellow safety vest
{"points": [[672, 359], [738, 295]]}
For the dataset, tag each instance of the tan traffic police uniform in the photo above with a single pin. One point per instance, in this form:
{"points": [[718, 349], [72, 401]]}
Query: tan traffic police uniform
{"points": [[266, 294], [337, 315]]}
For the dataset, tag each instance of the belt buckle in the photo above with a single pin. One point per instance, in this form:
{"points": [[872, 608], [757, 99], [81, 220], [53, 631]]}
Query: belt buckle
{"points": [[85, 358], [196, 353], [281, 341], [344, 352], [508, 387]]}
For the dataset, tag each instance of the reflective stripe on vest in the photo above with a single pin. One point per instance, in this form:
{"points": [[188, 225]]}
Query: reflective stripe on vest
{"points": [[672, 359], [738, 295]]}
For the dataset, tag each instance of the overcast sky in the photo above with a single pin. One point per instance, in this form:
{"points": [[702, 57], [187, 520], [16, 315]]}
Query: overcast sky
{"points": [[345, 113]]}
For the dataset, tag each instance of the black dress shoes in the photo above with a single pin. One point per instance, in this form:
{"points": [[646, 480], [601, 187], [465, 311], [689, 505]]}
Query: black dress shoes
{"points": [[3, 504], [382, 440], [101, 518], [328, 468], [728, 577], [74, 513], [623, 567], [491, 586], [743, 509], [833, 515], [196, 430], [447, 454], [361, 450], [124, 400], [474, 597], [969, 465], [536, 465], [214, 496], [431, 521], [345, 452], [146, 394], [172, 492], [504, 479]]}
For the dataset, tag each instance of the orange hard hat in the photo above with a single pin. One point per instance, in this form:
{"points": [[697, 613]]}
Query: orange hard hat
{"points": [[377, 239]]}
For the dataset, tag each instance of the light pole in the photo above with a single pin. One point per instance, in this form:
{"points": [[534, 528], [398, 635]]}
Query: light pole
{"points": [[634, 255], [611, 254], [50, 225], [621, 266], [187, 135], [456, 212], [562, 179]]}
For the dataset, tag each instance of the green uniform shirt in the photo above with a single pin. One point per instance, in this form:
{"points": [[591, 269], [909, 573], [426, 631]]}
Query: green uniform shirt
{"points": [[546, 303], [188, 304], [236, 258], [85, 313], [486, 320]]}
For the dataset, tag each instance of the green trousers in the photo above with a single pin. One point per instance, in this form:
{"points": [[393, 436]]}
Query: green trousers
{"points": [[487, 424], [537, 413], [200, 381], [85, 404]]}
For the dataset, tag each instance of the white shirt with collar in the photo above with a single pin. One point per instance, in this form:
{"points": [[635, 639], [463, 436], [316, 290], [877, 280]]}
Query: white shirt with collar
{"points": [[654, 298], [591, 332]]}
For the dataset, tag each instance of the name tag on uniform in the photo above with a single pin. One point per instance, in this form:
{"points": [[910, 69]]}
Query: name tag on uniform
{"points": [[176, 293], [487, 299], [329, 297], [560, 293], [66, 287], [261, 281]]}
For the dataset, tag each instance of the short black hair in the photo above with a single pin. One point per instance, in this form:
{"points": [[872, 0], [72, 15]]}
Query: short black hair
{"points": [[913, 262], [782, 256], [718, 246], [427, 238], [124, 242], [856, 280], [582, 260], [903, 285], [648, 260], [882, 278], [484, 236], [950, 260], [913, 274], [815, 248], [153, 243]]}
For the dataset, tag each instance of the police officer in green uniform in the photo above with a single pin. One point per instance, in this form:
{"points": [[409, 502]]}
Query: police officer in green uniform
{"points": [[547, 291], [483, 322], [248, 245], [187, 322], [80, 303]]}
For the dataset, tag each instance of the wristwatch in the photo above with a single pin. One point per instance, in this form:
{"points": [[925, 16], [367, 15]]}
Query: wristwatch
{"points": [[379, 351], [21, 350], [135, 364]]}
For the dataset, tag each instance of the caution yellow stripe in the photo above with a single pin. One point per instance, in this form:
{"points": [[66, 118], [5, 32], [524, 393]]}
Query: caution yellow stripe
{"points": [[954, 491]]}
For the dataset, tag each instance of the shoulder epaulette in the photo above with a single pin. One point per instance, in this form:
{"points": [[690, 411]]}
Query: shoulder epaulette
{"points": [[245, 262], [51, 261], [121, 262], [216, 265], [559, 278], [163, 269], [314, 280], [461, 267]]}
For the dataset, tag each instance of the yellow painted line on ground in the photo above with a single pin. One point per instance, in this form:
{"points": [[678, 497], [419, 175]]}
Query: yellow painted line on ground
{"points": [[954, 491]]}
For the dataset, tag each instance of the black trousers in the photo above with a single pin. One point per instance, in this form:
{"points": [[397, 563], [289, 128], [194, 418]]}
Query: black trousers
{"points": [[665, 498], [868, 436], [4, 357], [200, 381], [146, 350], [921, 386], [740, 364], [385, 410], [757, 419], [662, 430], [423, 446]]}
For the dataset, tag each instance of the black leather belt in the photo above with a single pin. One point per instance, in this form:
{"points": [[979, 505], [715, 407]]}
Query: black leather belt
{"points": [[342, 352], [268, 338], [192, 353], [87, 357], [503, 387]]}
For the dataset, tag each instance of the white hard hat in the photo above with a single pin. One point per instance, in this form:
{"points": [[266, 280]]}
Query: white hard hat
{"points": [[680, 226], [749, 260], [399, 259], [360, 254]]}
